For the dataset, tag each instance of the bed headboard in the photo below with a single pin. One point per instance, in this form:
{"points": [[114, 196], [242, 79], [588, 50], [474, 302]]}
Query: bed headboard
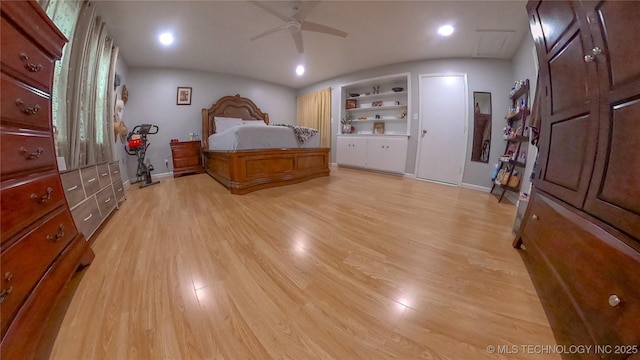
{"points": [[229, 106]]}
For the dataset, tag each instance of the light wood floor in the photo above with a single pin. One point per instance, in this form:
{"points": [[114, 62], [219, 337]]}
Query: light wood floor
{"points": [[357, 265]]}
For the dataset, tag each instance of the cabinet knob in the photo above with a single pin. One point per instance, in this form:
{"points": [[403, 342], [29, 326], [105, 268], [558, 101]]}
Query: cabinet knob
{"points": [[534, 217], [614, 300], [594, 52], [424, 131]]}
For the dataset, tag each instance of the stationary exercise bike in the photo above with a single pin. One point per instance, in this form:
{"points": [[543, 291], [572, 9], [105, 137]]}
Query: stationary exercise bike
{"points": [[137, 145]]}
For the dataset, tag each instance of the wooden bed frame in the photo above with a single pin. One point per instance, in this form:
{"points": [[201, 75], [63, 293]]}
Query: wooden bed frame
{"points": [[243, 171]]}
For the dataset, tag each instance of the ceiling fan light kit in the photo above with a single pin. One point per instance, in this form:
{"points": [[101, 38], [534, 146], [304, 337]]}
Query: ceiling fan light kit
{"points": [[296, 23]]}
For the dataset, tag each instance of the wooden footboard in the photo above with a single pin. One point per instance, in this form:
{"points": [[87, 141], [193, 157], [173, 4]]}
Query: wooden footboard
{"points": [[243, 171]]}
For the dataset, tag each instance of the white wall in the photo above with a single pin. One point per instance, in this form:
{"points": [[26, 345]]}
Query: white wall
{"points": [[152, 100], [486, 75]]}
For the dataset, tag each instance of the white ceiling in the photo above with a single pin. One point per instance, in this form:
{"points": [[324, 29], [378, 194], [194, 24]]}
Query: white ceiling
{"points": [[214, 35]]}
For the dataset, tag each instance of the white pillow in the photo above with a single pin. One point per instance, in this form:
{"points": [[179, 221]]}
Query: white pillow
{"points": [[254, 123], [224, 123]]}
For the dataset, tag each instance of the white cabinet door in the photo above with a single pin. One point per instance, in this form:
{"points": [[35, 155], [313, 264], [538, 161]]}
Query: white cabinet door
{"points": [[387, 154], [352, 151]]}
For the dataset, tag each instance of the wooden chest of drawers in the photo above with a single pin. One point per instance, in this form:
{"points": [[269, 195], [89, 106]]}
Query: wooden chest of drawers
{"points": [[93, 192], [187, 158], [40, 245]]}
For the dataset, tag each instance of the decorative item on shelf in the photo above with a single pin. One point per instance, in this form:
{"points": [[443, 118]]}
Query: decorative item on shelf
{"points": [[376, 90], [397, 89], [174, 141], [522, 157], [403, 115], [352, 103], [398, 102], [362, 118], [514, 180], [125, 94], [377, 116], [376, 103], [346, 126], [378, 128], [354, 95]]}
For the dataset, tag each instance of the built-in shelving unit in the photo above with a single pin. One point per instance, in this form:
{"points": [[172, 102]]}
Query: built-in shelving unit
{"points": [[374, 130], [378, 100]]}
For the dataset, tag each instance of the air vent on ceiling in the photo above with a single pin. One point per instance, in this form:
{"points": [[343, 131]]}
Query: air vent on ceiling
{"points": [[492, 43]]}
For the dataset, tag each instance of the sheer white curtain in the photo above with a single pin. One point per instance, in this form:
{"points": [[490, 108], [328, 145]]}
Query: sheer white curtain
{"points": [[84, 119], [65, 15]]}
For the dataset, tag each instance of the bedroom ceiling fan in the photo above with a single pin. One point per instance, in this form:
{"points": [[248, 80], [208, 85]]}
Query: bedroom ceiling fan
{"points": [[296, 23]]}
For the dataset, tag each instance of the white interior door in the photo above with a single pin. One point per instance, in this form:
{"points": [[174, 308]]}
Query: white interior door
{"points": [[443, 139]]}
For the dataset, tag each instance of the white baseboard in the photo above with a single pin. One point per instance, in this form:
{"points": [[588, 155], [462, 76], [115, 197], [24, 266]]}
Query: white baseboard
{"points": [[475, 187], [162, 175]]}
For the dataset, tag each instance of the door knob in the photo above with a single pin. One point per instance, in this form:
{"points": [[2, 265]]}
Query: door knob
{"points": [[614, 300], [424, 131]]}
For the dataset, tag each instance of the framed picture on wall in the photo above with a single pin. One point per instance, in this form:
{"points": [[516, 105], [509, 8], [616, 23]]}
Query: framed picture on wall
{"points": [[184, 96]]}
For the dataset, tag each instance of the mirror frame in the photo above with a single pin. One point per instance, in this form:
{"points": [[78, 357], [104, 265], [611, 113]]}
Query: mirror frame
{"points": [[482, 123]]}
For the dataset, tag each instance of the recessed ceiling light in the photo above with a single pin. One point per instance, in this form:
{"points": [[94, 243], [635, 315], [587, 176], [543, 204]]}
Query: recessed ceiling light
{"points": [[166, 38], [300, 70], [445, 30]]}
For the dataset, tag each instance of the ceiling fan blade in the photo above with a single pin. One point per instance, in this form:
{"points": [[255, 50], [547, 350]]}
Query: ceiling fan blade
{"points": [[306, 8], [310, 26], [270, 31], [297, 38], [269, 10]]}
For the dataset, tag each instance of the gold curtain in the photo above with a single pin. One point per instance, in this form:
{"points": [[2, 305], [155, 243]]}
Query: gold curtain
{"points": [[314, 111]]}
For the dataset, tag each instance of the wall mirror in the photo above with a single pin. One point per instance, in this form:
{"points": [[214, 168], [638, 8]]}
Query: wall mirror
{"points": [[481, 127]]}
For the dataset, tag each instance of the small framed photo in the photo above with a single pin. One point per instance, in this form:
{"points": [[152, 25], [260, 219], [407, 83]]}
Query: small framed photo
{"points": [[352, 103], [376, 103], [184, 96], [378, 128]]}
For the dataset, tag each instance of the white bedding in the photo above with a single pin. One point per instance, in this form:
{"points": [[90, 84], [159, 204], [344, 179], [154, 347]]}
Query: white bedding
{"points": [[258, 137]]}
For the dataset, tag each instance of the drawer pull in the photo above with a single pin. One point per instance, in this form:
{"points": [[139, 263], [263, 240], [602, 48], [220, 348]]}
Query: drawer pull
{"points": [[44, 198], [88, 217], [116, 172], [105, 174], [534, 217], [106, 201], [29, 66], [58, 235], [29, 110], [5, 292], [614, 300], [119, 189], [72, 188], [31, 156], [91, 180]]}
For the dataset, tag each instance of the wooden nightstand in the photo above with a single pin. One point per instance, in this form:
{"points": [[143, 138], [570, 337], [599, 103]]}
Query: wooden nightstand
{"points": [[186, 158]]}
